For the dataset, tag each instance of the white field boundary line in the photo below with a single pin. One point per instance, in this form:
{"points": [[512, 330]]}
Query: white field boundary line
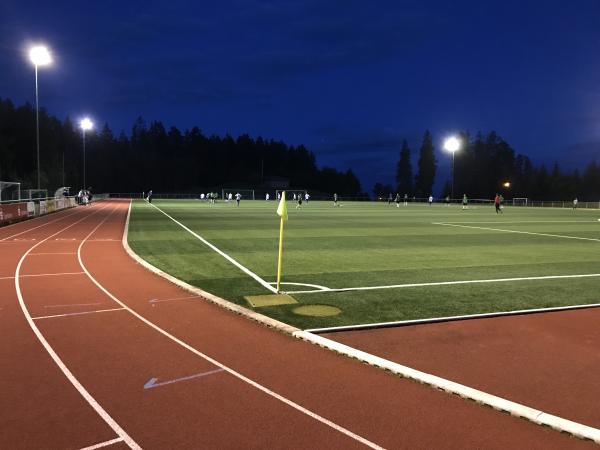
{"points": [[223, 254], [44, 275], [445, 283], [522, 221], [578, 430], [232, 372], [446, 224], [403, 323], [84, 393], [515, 409], [39, 226]]}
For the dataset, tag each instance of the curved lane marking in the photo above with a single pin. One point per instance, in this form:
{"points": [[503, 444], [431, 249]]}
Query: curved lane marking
{"points": [[84, 393]]}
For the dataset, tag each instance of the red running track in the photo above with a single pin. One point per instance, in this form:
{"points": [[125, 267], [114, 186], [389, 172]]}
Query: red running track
{"points": [[186, 373]]}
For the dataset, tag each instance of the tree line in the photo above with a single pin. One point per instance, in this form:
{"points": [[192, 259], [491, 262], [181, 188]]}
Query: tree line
{"points": [[153, 157], [483, 166]]}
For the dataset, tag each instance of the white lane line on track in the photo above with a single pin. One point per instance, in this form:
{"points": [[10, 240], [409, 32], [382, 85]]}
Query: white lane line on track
{"points": [[75, 211], [71, 305], [223, 254], [157, 300], [446, 224], [51, 253], [103, 444], [238, 375], [84, 393], [77, 313], [446, 283], [45, 275]]}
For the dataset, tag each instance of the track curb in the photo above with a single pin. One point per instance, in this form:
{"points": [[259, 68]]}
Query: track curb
{"points": [[515, 409]]}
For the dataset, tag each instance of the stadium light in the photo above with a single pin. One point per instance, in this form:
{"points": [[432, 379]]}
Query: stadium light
{"points": [[85, 124], [39, 56], [452, 145], [506, 184]]}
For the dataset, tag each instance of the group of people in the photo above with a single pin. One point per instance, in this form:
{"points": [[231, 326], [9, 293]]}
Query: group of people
{"points": [[84, 196]]}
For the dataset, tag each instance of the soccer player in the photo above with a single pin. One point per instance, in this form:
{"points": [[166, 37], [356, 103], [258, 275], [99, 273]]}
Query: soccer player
{"points": [[447, 200], [335, 199], [497, 203], [267, 196], [575, 203], [430, 200], [390, 198], [306, 197], [465, 202], [149, 197], [299, 203], [405, 199], [238, 197], [397, 199]]}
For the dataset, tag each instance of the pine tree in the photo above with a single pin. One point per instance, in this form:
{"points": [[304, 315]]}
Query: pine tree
{"points": [[427, 166], [404, 175]]}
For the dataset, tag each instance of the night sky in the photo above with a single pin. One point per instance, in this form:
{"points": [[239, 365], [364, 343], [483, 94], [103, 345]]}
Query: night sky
{"points": [[348, 79]]}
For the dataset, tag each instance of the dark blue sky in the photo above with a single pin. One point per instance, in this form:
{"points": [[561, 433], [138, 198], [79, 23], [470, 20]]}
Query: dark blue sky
{"points": [[349, 79]]}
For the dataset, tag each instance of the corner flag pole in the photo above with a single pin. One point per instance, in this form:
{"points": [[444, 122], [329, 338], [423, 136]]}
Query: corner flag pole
{"points": [[282, 213]]}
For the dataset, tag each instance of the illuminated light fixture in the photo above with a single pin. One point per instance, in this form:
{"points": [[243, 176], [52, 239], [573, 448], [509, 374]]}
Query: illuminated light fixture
{"points": [[40, 56], [452, 144], [85, 124]]}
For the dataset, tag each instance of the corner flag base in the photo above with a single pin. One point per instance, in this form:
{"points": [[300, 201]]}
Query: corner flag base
{"points": [[257, 301]]}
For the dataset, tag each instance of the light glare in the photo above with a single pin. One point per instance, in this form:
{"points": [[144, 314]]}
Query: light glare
{"points": [[452, 144], [86, 124], [40, 56]]}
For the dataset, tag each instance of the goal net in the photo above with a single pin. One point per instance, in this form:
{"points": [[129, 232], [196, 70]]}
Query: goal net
{"points": [[36, 193], [10, 191], [520, 201], [247, 194], [290, 194]]}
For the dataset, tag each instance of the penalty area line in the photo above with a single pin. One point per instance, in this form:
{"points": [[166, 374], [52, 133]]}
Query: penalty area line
{"points": [[446, 283], [220, 252], [445, 224]]}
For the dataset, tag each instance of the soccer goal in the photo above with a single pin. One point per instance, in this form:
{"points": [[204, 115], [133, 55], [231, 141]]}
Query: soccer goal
{"points": [[247, 194], [520, 201], [10, 190], [290, 194], [36, 193]]}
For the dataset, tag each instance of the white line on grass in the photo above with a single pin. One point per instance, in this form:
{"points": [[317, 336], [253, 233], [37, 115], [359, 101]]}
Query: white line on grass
{"points": [[527, 221], [74, 381], [403, 323], [237, 375], [447, 283], [321, 288], [446, 224], [223, 254]]}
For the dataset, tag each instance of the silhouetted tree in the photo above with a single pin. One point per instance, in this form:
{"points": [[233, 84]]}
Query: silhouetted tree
{"points": [[427, 167], [404, 175]]}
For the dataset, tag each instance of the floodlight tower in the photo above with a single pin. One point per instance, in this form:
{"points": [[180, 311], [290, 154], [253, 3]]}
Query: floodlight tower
{"points": [[85, 124], [39, 56], [452, 144]]}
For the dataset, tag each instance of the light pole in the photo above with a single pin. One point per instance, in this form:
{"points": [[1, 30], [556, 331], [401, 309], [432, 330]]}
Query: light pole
{"points": [[452, 144], [39, 56], [85, 124]]}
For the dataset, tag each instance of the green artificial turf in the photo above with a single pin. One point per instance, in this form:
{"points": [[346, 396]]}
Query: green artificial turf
{"points": [[373, 244]]}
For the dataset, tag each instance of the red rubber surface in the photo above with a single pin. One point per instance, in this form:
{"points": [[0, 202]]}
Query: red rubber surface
{"points": [[114, 354]]}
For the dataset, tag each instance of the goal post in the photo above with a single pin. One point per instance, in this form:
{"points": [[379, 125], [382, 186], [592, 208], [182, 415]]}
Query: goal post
{"points": [[247, 194], [10, 191], [520, 201]]}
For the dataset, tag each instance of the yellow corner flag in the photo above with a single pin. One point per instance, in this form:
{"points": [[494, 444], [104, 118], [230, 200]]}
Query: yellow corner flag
{"points": [[281, 212]]}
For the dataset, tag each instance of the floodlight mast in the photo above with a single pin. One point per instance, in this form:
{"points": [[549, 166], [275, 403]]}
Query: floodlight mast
{"points": [[39, 56], [452, 144], [85, 124]]}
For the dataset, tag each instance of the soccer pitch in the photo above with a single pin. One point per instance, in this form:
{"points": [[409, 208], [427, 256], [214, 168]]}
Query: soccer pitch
{"points": [[374, 262]]}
